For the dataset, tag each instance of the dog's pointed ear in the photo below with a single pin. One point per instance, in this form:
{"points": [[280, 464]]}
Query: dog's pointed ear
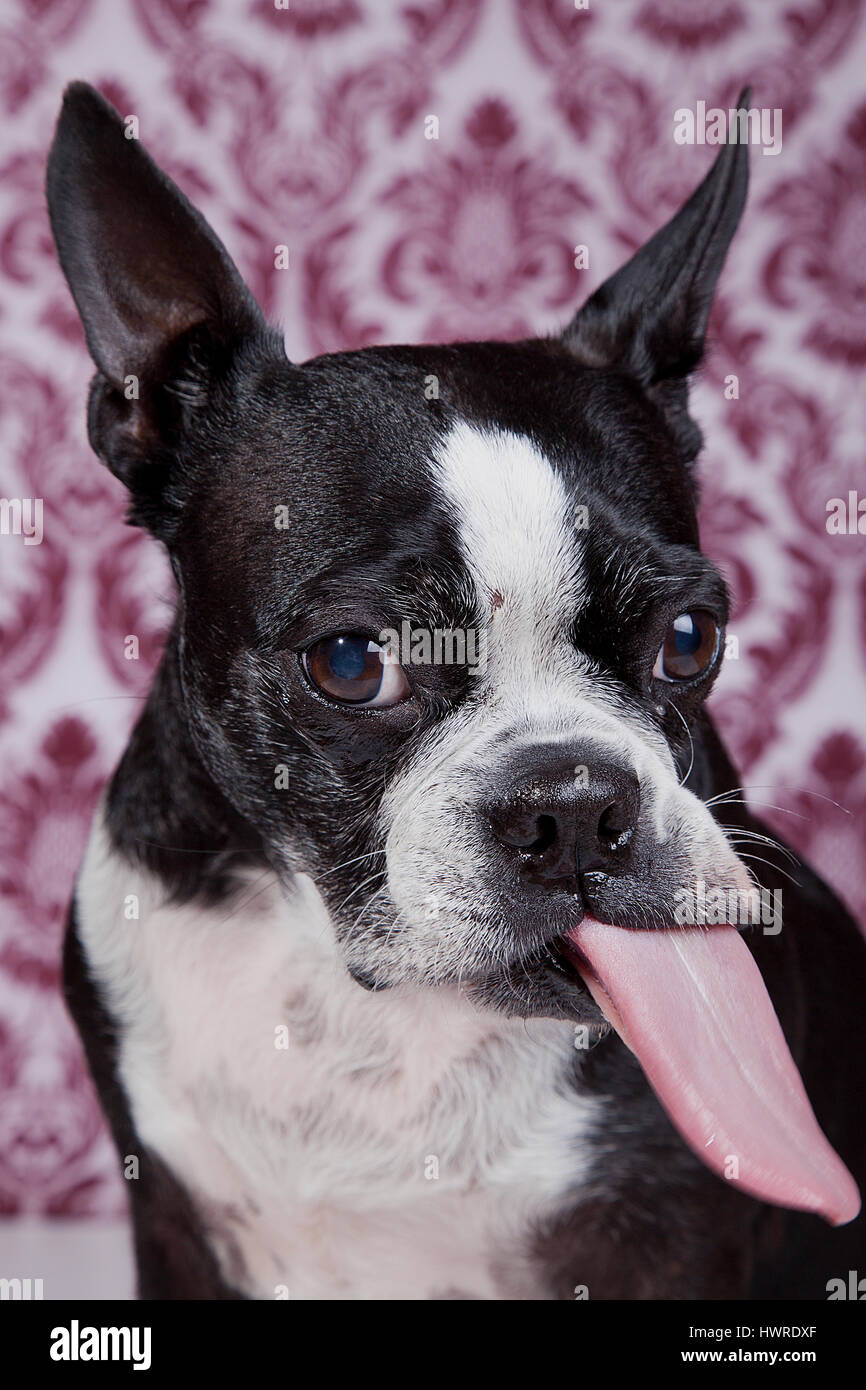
{"points": [[160, 299], [650, 318]]}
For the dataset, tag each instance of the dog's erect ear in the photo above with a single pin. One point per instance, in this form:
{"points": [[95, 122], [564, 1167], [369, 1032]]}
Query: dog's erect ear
{"points": [[649, 319], [162, 304]]}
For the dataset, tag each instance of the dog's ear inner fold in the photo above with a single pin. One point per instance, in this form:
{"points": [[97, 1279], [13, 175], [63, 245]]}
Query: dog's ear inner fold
{"points": [[649, 319], [162, 304]]}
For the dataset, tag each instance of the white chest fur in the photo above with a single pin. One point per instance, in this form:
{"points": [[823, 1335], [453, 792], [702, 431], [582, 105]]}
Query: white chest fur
{"points": [[339, 1144]]}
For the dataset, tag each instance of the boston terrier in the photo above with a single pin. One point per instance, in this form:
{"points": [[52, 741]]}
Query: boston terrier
{"points": [[390, 951]]}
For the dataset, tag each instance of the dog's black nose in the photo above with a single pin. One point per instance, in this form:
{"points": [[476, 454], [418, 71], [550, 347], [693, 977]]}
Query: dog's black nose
{"points": [[570, 822]]}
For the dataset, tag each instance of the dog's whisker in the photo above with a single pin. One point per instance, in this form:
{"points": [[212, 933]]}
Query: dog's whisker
{"points": [[765, 805], [737, 833], [363, 884], [349, 862], [356, 923], [774, 787], [683, 780], [758, 859]]}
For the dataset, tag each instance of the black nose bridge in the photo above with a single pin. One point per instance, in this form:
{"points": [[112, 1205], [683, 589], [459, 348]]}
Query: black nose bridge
{"points": [[570, 818]]}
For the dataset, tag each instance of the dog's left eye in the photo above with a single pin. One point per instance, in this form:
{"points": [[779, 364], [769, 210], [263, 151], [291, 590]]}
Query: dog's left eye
{"points": [[690, 645], [354, 670]]}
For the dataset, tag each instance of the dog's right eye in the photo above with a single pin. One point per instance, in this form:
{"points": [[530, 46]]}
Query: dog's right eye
{"points": [[354, 670], [691, 645]]}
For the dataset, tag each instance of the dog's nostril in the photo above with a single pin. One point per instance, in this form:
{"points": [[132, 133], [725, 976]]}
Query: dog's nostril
{"points": [[546, 826], [615, 827], [530, 833]]}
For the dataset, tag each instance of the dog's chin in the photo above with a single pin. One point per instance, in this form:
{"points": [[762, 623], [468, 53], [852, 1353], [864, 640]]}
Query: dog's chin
{"points": [[537, 978], [546, 986]]}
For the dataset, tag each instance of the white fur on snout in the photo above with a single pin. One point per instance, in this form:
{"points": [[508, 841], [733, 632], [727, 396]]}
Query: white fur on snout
{"points": [[521, 544]]}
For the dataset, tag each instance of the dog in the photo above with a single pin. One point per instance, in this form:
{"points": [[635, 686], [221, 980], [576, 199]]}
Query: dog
{"points": [[377, 956]]}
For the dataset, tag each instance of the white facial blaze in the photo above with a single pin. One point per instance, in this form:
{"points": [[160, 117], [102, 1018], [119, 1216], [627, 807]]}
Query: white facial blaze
{"points": [[519, 537]]}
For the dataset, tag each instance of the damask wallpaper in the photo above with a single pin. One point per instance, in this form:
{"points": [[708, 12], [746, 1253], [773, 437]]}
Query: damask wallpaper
{"points": [[443, 169]]}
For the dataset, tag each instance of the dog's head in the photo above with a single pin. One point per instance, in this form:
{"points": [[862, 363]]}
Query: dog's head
{"points": [[444, 623]]}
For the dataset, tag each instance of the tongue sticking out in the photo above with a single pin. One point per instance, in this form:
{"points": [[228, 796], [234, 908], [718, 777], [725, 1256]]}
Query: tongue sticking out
{"points": [[693, 1008]]}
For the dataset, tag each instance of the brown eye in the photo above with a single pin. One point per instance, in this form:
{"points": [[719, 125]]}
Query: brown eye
{"points": [[690, 645], [355, 671]]}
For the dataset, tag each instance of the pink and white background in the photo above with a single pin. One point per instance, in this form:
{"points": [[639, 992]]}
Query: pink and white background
{"points": [[306, 127]]}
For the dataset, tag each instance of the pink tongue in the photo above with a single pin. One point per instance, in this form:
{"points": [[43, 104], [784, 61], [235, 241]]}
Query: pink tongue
{"points": [[692, 1006]]}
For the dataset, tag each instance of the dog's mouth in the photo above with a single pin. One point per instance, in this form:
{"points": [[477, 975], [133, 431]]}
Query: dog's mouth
{"points": [[560, 960], [692, 1006]]}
